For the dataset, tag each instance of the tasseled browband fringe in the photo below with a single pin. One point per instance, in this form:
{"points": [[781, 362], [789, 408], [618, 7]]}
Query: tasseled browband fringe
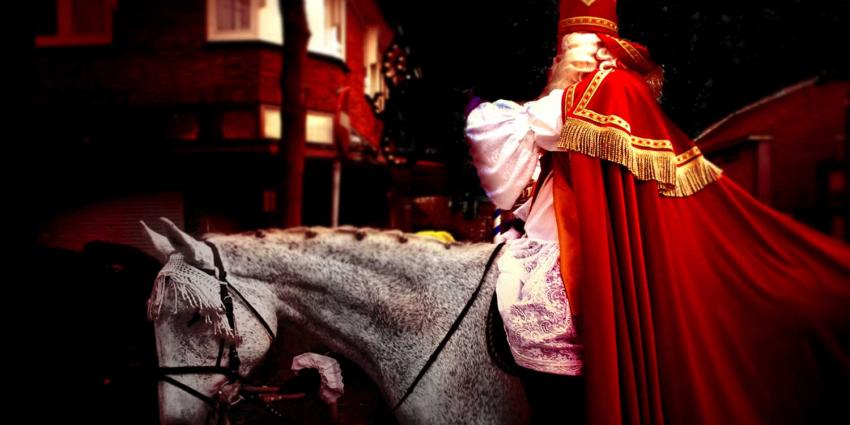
{"points": [[184, 287], [612, 144]]}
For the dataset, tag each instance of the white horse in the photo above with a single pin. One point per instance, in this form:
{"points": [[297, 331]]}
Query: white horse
{"points": [[383, 299]]}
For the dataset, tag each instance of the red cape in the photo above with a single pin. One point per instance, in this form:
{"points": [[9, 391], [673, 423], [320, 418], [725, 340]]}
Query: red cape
{"points": [[699, 304]]}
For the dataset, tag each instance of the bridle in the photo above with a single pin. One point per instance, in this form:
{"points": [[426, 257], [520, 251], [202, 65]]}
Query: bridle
{"points": [[237, 387], [227, 396]]}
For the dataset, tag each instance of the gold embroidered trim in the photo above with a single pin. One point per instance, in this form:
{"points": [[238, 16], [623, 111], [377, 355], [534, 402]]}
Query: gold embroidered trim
{"points": [[582, 111], [634, 53], [615, 145], [681, 175], [686, 156], [571, 91], [592, 86], [603, 119], [660, 144], [587, 20]]}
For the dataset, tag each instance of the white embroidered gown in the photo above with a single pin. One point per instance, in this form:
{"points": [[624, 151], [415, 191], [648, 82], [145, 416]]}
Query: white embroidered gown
{"points": [[506, 140]]}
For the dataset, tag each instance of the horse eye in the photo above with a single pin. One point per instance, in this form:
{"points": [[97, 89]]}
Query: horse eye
{"points": [[195, 319]]}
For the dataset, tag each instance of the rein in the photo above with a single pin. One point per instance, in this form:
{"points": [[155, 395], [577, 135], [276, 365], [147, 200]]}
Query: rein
{"points": [[451, 330]]}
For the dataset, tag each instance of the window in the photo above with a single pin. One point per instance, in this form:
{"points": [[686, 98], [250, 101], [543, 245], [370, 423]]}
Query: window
{"points": [[74, 22], [239, 125], [334, 28], [183, 126], [234, 20], [270, 122], [373, 85], [327, 26], [320, 127], [233, 16]]}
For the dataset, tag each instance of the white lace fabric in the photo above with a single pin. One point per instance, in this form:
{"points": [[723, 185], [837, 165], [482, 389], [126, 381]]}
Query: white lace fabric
{"points": [[535, 310]]}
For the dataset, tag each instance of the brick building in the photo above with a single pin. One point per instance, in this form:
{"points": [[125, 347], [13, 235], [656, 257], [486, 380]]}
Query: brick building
{"points": [[155, 108]]}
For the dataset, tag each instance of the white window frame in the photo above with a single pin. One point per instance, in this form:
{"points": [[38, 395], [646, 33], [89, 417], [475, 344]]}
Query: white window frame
{"points": [[64, 22], [320, 40], [373, 84], [252, 33]]}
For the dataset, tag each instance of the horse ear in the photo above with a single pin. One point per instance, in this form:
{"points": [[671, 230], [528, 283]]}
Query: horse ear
{"points": [[197, 253], [161, 243]]}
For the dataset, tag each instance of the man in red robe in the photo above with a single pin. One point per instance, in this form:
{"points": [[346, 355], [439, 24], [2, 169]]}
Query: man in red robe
{"points": [[700, 305], [697, 303]]}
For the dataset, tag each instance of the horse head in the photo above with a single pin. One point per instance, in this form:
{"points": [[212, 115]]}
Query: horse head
{"points": [[204, 347]]}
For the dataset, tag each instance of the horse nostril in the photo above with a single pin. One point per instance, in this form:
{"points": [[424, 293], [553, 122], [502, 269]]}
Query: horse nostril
{"points": [[260, 234], [359, 235], [309, 234]]}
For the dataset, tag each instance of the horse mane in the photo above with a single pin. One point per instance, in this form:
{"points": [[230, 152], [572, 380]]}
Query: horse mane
{"points": [[359, 234], [180, 286]]}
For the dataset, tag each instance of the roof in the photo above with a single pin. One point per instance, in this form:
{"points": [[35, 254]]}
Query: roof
{"points": [[801, 104]]}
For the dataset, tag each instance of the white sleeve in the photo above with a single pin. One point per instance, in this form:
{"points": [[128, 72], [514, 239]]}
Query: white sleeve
{"points": [[502, 139], [545, 119]]}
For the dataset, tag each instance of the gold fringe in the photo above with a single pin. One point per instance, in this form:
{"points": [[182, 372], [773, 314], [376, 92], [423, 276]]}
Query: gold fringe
{"points": [[692, 177], [615, 145]]}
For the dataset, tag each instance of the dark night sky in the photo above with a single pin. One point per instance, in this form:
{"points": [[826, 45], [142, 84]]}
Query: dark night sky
{"points": [[718, 56]]}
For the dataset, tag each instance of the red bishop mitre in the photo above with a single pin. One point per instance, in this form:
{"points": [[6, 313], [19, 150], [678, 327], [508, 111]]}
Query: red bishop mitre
{"points": [[600, 17]]}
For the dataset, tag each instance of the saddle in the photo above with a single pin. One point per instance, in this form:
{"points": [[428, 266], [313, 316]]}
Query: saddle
{"points": [[497, 341], [548, 395]]}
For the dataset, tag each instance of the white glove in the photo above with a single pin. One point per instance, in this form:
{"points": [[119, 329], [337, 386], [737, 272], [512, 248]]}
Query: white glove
{"points": [[331, 388]]}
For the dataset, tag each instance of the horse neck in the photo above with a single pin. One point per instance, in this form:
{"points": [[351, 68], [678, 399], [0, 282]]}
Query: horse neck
{"points": [[382, 299]]}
